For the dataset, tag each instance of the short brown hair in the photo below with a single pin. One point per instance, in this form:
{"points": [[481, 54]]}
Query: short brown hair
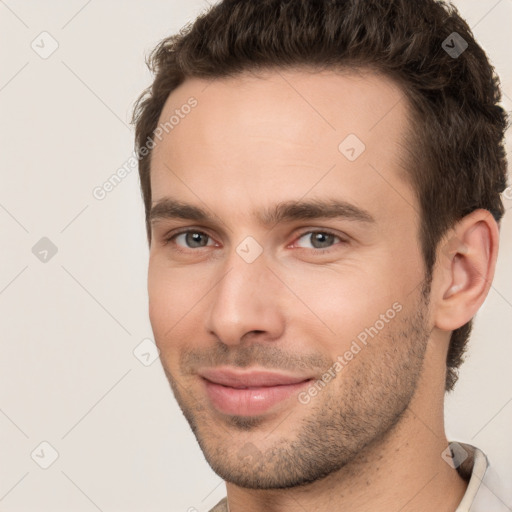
{"points": [[457, 156]]}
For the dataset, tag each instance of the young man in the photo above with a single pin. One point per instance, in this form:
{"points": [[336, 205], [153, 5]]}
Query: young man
{"points": [[322, 188]]}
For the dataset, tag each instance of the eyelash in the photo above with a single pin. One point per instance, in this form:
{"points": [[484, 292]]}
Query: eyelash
{"points": [[170, 238]]}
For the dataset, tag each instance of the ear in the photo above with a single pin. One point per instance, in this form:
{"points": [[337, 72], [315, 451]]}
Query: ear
{"points": [[466, 260]]}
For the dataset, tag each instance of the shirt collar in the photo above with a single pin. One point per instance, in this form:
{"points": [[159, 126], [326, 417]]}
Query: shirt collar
{"points": [[477, 463]]}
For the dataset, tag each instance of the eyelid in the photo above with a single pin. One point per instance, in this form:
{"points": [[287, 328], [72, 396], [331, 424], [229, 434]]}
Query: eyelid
{"points": [[341, 236], [171, 235]]}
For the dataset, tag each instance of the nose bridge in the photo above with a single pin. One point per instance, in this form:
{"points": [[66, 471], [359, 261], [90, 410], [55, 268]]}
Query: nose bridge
{"points": [[243, 298]]}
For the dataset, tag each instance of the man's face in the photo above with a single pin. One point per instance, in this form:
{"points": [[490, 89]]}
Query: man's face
{"points": [[249, 315]]}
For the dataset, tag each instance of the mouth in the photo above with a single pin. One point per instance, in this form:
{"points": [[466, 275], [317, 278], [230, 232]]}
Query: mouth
{"points": [[249, 393]]}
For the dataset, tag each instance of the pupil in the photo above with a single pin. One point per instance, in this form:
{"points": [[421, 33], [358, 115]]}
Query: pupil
{"points": [[194, 239], [321, 240]]}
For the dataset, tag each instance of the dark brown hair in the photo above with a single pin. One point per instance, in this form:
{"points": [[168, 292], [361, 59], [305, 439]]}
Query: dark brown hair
{"points": [[457, 159]]}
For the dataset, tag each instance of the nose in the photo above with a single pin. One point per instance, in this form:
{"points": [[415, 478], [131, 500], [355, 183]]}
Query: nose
{"points": [[245, 299]]}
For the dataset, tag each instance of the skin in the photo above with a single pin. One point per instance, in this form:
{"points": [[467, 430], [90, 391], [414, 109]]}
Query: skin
{"points": [[372, 438]]}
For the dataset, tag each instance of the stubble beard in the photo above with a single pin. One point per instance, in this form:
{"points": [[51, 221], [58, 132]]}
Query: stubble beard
{"points": [[350, 417]]}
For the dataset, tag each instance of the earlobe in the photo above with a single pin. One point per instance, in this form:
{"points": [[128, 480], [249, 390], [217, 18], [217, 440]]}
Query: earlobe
{"points": [[466, 264]]}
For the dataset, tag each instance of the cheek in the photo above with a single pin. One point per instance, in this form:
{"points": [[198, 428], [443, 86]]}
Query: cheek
{"points": [[343, 302], [172, 294]]}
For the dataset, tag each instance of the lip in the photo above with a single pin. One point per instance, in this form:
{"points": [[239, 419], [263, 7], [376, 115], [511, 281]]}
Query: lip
{"points": [[249, 393], [247, 379]]}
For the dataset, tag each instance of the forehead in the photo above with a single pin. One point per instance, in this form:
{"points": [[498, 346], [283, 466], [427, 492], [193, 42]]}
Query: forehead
{"points": [[282, 134]]}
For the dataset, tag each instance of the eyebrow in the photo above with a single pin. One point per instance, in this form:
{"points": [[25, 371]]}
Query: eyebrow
{"points": [[287, 211]]}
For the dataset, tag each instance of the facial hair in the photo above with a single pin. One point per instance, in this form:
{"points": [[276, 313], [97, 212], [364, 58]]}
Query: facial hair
{"points": [[356, 410]]}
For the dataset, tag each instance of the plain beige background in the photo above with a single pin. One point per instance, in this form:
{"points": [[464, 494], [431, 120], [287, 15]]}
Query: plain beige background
{"points": [[69, 326]]}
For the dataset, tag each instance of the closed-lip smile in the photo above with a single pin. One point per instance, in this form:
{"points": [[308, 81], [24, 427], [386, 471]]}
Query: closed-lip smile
{"points": [[248, 392]]}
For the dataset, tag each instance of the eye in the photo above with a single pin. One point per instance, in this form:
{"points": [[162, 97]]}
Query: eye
{"points": [[190, 239], [319, 239]]}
